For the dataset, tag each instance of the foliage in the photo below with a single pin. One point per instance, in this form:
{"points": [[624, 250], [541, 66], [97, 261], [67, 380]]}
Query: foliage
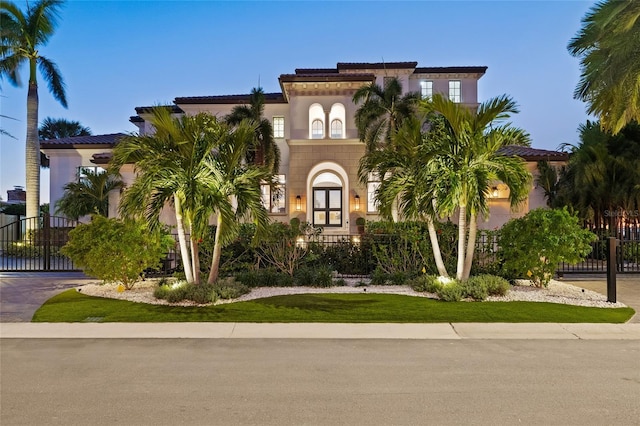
{"points": [[343, 256], [57, 128], [90, 195], [607, 46], [602, 175], [264, 277], [15, 209], [474, 289], [24, 34], [534, 245], [226, 288], [450, 292], [381, 111], [265, 151], [426, 283], [495, 285], [115, 250], [239, 255], [313, 277], [283, 246]]}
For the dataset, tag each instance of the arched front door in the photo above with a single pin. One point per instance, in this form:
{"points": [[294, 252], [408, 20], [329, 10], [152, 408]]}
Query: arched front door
{"points": [[327, 200]]}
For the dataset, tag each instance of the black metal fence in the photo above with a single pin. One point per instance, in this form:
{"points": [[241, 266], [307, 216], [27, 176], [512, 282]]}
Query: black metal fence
{"points": [[627, 258], [33, 244]]}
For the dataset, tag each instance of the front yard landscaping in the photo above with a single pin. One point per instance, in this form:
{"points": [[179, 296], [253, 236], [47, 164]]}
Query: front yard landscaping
{"points": [[72, 306]]}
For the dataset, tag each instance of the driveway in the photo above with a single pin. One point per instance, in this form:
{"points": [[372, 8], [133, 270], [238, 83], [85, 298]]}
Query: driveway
{"points": [[22, 293]]}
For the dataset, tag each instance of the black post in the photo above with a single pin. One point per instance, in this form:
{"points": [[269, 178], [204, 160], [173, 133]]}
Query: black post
{"points": [[46, 241], [612, 268]]}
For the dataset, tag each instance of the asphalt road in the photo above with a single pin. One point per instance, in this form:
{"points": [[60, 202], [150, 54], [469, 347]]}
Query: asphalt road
{"points": [[318, 382]]}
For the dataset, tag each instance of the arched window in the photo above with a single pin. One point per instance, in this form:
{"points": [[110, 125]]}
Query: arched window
{"points": [[337, 117], [327, 200], [317, 129], [336, 129]]}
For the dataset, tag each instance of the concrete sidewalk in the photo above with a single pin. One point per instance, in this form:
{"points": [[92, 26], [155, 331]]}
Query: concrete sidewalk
{"points": [[439, 331]]}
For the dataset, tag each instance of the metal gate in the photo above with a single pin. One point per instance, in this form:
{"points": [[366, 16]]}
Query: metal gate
{"points": [[33, 244]]}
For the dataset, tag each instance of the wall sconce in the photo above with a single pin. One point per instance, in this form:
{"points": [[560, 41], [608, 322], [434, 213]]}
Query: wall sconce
{"points": [[356, 200], [494, 192], [298, 203]]}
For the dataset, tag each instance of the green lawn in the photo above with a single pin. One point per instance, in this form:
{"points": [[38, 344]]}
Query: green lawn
{"points": [[72, 306]]}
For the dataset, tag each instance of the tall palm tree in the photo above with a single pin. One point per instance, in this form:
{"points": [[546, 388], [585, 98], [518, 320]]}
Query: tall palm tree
{"points": [[90, 195], [382, 111], [56, 128], [608, 45], [234, 190], [465, 163], [265, 151], [197, 164], [21, 38], [171, 166], [406, 184]]}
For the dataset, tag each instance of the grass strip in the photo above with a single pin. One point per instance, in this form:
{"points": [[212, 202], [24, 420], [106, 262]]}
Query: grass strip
{"points": [[72, 306]]}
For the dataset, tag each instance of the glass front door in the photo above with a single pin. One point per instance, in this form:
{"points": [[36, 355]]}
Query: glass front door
{"points": [[327, 207]]}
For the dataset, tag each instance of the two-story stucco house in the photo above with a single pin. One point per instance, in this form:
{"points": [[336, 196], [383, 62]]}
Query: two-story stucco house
{"points": [[314, 127]]}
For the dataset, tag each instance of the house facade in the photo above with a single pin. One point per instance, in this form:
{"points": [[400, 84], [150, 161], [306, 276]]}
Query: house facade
{"points": [[313, 123]]}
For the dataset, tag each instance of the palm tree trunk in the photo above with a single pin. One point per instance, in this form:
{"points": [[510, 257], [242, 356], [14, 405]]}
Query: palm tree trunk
{"points": [[471, 246], [32, 152], [184, 250], [462, 233], [435, 246], [217, 251], [195, 257]]}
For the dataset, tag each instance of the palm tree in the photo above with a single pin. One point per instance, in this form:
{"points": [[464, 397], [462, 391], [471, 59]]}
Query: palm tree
{"points": [[90, 195], [603, 174], [265, 151], [465, 163], [56, 128], [382, 111], [608, 46], [406, 185], [197, 164], [234, 190], [170, 167], [21, 38]]}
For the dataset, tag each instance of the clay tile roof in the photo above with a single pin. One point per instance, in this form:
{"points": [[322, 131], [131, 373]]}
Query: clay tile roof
{"points": [[101, 158], [175, 109], [325, 77], [316, 70], [375, 65], [270, 98], [136, 119], [106, 141], [533, 154], [444, 70]]}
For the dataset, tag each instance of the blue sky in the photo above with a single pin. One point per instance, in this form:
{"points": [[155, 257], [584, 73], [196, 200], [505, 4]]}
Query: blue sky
{"points": [[116, 55]]}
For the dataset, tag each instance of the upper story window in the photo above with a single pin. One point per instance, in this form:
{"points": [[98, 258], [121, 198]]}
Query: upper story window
{"points": [[317, 129], [278, 127], [83, 171], [426, 89], [336, 129], [454, 91], [373, 183], [273, 196]]}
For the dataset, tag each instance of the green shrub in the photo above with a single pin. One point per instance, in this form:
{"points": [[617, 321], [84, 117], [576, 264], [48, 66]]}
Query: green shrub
{"points": [[475, 289], [533, 246], [115, 250], [379, 277], [398, 278], [313, 277], [450, 292], [426, 283], [267, 277], [496, 286], [229, 288]]}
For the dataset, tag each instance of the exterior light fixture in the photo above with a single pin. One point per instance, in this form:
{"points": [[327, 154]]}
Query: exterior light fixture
{"points": [[494, 192], [356, 200], [298, 203]]}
